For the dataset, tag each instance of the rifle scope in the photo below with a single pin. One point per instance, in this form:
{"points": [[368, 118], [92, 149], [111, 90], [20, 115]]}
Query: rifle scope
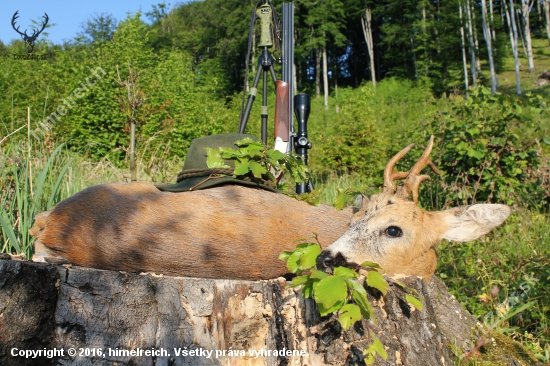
{"points": [[302, 107]]}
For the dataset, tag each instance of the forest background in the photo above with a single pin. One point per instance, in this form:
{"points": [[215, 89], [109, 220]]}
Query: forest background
{"points": [[382, 74]]}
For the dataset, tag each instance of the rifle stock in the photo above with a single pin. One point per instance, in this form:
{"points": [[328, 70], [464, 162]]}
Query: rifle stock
{"points": [[282, 115]]}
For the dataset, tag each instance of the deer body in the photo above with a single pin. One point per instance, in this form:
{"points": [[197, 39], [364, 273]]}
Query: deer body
{"points": [[222, 232], [238, 232]]}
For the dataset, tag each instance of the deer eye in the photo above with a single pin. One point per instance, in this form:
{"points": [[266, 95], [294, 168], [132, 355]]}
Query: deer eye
{"points": [[394, 231]]}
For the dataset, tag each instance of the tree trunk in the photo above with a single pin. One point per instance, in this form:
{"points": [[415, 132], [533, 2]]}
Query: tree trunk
{"points": [[104, 315], [546, 7], [474, 31], [462, 44], [509, 10], [318, 72], [471, 43], [525, 10], [367, 32], [325, 75], [487, 36]]}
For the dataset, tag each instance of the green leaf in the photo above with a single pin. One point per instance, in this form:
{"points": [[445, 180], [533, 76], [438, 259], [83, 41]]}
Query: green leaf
{"points": [[298, 281], [376, 280], [307, 289], [415, 302], [245, 142], [376, 347], [345, 272], [349, 314], [370, 264], [293, 262], [341, 200], [241, 168], [318, 274], [359, 295], [257, 169], [276, 155], [309, 256], [214, 159], [285, 255], [330, 291]]}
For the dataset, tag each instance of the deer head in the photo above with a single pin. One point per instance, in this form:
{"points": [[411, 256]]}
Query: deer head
{"points": [[394, 232], [29, 40]]}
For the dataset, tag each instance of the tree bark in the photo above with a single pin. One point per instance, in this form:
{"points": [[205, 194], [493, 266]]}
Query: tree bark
{"points": [[463, 46], [546, 7], [509, 10], [525, 10], [471, 43], [366, 22], [93, 311], [325, 75], [318, 72], [487, 36]]}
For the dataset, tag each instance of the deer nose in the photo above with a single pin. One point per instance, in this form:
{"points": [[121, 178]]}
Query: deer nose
{"points": [[325, 261]]}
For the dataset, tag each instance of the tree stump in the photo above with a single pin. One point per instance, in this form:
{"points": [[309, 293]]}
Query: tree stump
{"points": [[117, 318]]}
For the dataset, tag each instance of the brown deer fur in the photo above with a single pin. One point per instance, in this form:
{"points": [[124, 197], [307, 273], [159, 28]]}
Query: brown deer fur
{"points": [[223, 232]]}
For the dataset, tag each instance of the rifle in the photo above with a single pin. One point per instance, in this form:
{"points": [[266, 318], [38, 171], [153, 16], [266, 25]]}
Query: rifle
{"points": [[282, 116]]}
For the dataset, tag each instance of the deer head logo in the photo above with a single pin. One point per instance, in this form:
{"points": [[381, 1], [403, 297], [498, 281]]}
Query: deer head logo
{"points": [[29, 40]]}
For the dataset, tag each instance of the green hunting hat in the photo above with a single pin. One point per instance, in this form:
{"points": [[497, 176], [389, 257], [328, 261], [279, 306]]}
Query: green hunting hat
{"points": [[196, 175]]}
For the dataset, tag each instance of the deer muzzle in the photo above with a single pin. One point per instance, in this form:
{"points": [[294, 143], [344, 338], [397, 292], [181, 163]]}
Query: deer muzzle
{"points": [[326, 261]]}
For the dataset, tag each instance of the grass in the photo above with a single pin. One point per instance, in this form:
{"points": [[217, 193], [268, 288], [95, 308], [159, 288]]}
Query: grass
{"points": [[507, 77]]}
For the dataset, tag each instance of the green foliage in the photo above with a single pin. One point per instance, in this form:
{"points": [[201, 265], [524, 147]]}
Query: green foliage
{"points": [[483, 158], [255, 162], [341, 292], [498, 275], [29, 188]]}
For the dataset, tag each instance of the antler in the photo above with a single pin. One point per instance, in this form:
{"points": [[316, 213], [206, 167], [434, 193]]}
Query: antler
{"points": [[13, 19], [35, 34], [413, 177]]}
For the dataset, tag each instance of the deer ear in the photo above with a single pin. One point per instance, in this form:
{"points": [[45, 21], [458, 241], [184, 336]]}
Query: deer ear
{"points": [[468, 223]]}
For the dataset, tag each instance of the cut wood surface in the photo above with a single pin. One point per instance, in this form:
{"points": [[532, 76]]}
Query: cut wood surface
{"points": [[191, 321]]}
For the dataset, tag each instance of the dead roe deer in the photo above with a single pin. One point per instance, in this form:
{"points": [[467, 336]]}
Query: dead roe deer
{"points": [[238, 232]]}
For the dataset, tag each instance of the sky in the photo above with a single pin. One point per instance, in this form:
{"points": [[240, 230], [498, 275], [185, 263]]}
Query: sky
{"points": [[68, 15]]}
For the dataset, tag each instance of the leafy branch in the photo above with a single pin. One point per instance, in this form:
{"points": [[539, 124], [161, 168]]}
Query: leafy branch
{"points": [[343, 292], [254, 161]]}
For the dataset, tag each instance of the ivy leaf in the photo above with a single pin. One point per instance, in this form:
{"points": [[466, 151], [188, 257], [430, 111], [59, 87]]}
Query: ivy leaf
{"points": [[349, 314], [376, 280], [415, 302], [330, 294]]}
